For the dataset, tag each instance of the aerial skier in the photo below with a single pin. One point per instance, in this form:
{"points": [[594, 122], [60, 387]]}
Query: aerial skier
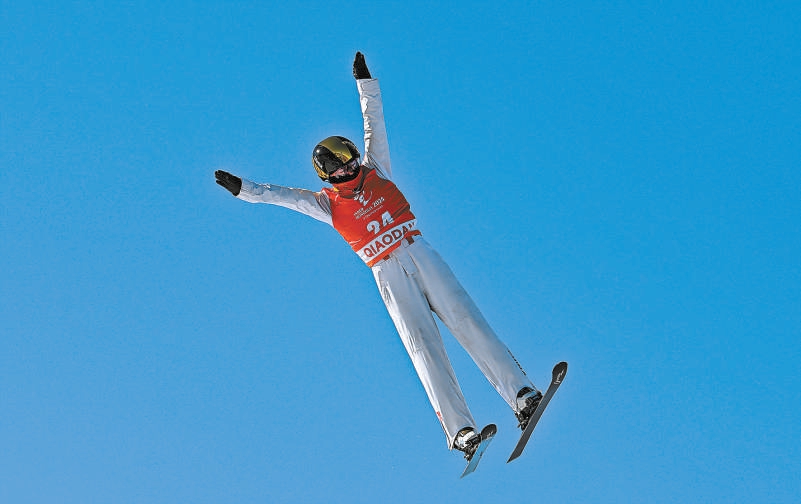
{"points": [[373, 216]]}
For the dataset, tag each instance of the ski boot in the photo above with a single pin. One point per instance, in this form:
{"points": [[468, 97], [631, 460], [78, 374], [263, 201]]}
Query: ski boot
{"points": [[467, 441], [527, 401]]}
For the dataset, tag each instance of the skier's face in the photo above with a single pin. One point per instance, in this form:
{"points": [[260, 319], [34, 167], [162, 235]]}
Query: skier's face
{"points": [[345, 172]]}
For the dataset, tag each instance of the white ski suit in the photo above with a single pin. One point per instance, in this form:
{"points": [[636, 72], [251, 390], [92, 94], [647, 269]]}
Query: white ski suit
{"points": [[414, 281]]}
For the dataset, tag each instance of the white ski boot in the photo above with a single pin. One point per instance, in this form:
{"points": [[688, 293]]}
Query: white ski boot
{"points": [[467, 440]]}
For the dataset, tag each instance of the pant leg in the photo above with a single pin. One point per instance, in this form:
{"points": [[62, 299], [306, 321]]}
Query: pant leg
{"points": [[457, 310], [415, 323]]}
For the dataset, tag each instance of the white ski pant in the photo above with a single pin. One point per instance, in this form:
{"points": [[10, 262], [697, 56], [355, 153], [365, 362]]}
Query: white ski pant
{"points": [[414, 281]]}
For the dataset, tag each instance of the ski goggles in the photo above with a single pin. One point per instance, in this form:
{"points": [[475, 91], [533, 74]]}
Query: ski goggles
{"points": [[346, 169]]}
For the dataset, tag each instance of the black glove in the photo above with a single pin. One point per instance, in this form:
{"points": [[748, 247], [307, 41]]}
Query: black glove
{"points": [[360, 70], [230, 182]]}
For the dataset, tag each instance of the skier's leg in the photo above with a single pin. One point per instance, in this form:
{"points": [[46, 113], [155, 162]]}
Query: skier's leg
{"points": [[415, 323], [450, 301]]}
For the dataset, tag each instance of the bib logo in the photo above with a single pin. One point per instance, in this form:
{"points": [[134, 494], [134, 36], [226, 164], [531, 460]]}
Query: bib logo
{"points": [[364, 200]]}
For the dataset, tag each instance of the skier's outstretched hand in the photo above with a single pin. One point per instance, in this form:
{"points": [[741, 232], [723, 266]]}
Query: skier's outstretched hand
{"points": [[230, 182], [360, 70]]}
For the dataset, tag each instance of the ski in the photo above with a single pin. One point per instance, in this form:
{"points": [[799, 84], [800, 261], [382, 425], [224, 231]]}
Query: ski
{"points": [[487, 433], [559, 372]]}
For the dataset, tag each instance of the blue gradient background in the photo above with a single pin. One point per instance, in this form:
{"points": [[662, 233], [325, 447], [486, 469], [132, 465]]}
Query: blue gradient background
{"points": [[615, 183]]}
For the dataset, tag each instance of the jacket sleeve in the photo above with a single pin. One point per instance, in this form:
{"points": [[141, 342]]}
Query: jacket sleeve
{"points": [[313, 204], [376, 146]]}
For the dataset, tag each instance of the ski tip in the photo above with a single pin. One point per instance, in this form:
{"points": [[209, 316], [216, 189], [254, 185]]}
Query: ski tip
{"points": [[559, 371], [489, 431]]}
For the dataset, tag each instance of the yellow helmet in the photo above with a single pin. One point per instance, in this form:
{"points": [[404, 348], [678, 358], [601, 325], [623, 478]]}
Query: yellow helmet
{"points": [[332, 154]]}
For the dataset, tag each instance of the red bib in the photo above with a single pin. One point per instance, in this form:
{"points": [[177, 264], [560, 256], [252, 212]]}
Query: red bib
{"points": [[373, 221]]}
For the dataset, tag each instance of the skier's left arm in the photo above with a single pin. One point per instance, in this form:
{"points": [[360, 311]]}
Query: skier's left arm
{"points": [[376, 145]]}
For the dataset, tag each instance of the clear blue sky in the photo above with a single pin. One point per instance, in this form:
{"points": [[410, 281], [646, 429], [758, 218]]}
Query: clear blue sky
{"points": [[616, 184]]}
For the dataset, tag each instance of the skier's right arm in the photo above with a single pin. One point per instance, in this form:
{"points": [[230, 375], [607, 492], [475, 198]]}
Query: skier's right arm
{"points": [[313, 204]]}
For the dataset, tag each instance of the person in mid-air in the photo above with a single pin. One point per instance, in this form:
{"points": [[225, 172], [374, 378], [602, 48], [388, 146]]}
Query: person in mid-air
{"points": [[373, 216]]}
